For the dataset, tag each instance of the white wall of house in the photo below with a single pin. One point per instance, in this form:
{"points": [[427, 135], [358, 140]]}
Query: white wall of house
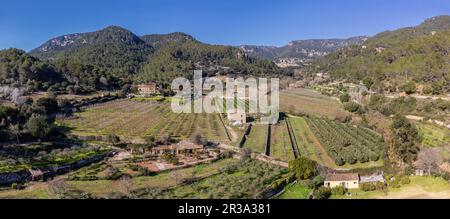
{"points": [[351, 184]]}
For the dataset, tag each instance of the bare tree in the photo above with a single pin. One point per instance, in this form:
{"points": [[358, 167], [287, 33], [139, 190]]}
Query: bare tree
{"points": [[175, 176], [125, 185], [429, 159], [15, 130]]}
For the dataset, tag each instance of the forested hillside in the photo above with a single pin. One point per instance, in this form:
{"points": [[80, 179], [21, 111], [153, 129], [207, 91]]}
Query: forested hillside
{"points": [[180, 59], [115, 52], [114, 49], [19, 68], [392, 59]]}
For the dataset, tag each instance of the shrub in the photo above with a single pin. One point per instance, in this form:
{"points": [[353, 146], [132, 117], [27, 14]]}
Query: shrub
{"points": [[112, 138], [144, 171], [380, 186], [405, 180], [322, 193], [308, 183], [351, 107], [374, 156], [18, 186], [363, 158], [394, 184], [339, 190], [303, 168], [170, 158], [350, 159], [133, 167], [339, 161], [112, 173], [409, 87], [354, 107], [368, 187], [344, 97], [318, 181]]}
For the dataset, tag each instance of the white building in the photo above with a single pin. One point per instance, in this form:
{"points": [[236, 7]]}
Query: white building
{"points": [[237, 116], [346, 180]]}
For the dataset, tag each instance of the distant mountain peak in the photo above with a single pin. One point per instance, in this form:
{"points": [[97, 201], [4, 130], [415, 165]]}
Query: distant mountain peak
{"points": [[109, 34], [298, 52]]}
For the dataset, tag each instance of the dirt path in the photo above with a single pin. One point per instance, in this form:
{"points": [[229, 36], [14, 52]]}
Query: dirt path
{"points": [[232, 133], [420, 118], [415, 192]]}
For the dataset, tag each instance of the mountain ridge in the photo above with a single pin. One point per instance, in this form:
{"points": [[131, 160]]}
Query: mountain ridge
{"points": [[392, 58], [299, 52]]}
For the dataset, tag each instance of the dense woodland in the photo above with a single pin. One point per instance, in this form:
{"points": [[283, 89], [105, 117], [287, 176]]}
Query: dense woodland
{"points": [[177, 60], [21, 70], [116, 52], [394, 58]]}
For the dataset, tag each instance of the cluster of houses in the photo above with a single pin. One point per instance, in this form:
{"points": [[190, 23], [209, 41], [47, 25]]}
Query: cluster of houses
{"points": [[350, 180], [186, 153]]}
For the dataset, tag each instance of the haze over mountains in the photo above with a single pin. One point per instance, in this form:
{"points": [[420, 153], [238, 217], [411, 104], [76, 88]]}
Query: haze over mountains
{"points": [[300, 52]]}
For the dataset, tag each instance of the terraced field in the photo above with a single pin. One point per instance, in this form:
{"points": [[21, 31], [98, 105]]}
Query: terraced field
{"points": [[280, 144], [332, 144], [347, 144], [137, 119], [310, 102], [257, 138], [433, 135], [307, 143]]}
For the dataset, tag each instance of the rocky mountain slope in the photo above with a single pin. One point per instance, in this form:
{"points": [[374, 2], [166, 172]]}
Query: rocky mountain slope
{"points": [[300, 52]]}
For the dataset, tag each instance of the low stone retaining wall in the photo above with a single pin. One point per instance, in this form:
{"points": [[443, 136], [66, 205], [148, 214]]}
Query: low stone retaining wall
{"points": [[23, 176], [270, 160]]}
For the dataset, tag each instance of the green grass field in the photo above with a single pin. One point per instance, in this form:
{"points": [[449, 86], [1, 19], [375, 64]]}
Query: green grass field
{"points": [[421, 187], [433, 135], [280, 144], [257, 138], [295, 191]]}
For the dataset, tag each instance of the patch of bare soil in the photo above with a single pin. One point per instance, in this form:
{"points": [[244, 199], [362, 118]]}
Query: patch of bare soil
{"points": [[415, 192]]}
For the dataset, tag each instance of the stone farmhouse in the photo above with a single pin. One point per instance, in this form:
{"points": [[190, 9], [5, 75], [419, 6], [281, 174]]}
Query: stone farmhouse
{"points": [[346, 180], [351, 180], [182, 147], [147, 89]]}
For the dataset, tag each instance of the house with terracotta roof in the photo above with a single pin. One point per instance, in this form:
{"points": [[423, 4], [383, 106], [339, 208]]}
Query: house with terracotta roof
{"points": [[182, 147], [147, 89], [346, 180]]}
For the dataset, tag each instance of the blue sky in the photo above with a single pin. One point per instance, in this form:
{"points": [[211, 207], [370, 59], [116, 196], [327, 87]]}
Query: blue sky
{"points": [[26, 24]]}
